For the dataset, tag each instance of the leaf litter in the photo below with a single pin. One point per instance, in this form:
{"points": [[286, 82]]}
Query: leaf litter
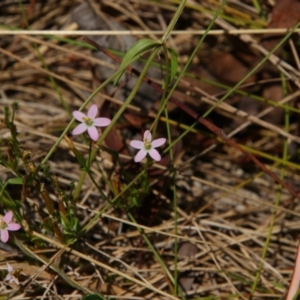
{"points": [[225, 202]]}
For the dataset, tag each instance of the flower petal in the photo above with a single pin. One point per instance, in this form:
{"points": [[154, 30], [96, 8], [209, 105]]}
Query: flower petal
{"points": [[93, 111], [154, 154], [15, 280], [140, 155], [4, 235], [136, 144], [13, 226], [9, 268], [8, 217], [147, 136], [79, 129], [158, 142], [93, 133], [101, 122], [8, 277], [78, 115]]}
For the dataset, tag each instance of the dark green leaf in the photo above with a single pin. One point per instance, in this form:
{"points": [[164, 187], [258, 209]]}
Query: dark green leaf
{"points": [[174, 63], [15, 181], [139, 48], [18, 180]]}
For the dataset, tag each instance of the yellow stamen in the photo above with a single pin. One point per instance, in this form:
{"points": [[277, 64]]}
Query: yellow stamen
{"points": [[88, 121], [147, 144], [2, 224]]}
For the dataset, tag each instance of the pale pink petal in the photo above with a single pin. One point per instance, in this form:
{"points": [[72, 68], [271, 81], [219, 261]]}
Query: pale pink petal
{"points": [[158, 142], [154, 154], [4, 235], [136, 144], [140, 155], [13, 226], [8, 277], [148, 136], [93, 111], [101, 122], [79, 129], [8, 217], [15, 280], [93, 133], [78, 115], [9, 268]]}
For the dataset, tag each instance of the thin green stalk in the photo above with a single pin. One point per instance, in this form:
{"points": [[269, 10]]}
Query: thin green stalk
{"points": [[252, 71], [183, 71], [23, 13], [41, 58], [188, 129], [258, 7], [244, 93], [96, 217], [165, 91], [157, 256], [173, 21], [118, 114], [52, 265], [275, 211], [173, 170], [175, 204], [105, 83]]}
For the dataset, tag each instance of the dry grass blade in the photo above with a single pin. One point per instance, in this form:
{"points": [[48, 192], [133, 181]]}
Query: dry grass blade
{"points": [[211, 219]]}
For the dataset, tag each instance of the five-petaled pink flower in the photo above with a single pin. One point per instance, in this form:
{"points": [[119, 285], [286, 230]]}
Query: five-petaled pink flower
{"points": [[89, 122], [6, 225], [10, 275], [147, 146]]}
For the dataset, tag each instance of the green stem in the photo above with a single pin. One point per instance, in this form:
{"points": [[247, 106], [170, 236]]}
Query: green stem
{"points": [[191, 57], [105, 83], [276, 205], [117, 116], [166, 270], [252, 71], [175, 211], [173, 21]]}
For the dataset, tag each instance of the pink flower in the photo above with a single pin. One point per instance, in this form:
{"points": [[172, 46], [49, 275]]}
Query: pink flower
{"points": [[89, 122], [147, 146], [10, 275], [6, 225]]}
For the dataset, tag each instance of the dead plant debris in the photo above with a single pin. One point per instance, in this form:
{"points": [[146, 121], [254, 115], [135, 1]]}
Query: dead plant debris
{"points": [[233, 233]]}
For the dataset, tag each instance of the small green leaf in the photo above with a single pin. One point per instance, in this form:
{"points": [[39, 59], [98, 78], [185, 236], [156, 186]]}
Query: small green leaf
{"points": [[15, 181], [139, 48], [18, 181], [174, 63]]}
